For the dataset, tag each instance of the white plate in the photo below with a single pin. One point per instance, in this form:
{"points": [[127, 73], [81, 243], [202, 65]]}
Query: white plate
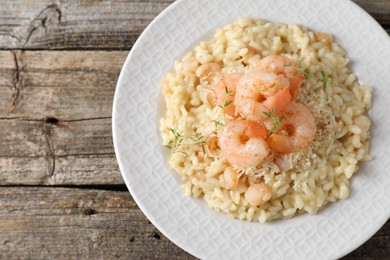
{"points": [[340, 227]]}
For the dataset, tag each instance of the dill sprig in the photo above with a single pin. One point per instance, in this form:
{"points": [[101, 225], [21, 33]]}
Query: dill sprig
{"points": [[324, 78], [201, 140], [177, 139], [276, 119], [217, 123], [226, 104], [228, 93], [306, 72], [175, 143]]}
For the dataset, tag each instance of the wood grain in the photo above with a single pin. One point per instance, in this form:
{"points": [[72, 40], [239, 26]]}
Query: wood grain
{"points": [[52, 223], [38, 153], [90, 24], [74, 87], [70, 85], [59, 63]]}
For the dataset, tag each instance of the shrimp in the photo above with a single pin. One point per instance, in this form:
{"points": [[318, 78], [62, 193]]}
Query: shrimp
{"points": [[259, 92], [231, 178], [282, 65], [207, 72], [296, 131], [243, 143], [257, 194], [224, 93]]}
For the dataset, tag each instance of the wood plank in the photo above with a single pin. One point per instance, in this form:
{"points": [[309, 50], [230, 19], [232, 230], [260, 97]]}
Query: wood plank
{"points": [[22, 138], [93, 24], [80, 223], [76, 87], [6, 97], [7, 79], [68, 170], [7, 66], [38, 153], [52, 223], [24, 170], [86, 170], [32, 138], [83, 137], [70, 85]]}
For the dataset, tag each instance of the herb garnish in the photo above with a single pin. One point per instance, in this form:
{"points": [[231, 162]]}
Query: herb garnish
{"points": [[217, 123], [306, 72], [324, 78], [228, 93], [175, 143], [202, 141], [277, 120], [226, 104]]}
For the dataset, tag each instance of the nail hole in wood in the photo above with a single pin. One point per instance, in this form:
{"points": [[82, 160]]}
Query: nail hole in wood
{"points": [[89, 212], [51, 120], [55, 121]]}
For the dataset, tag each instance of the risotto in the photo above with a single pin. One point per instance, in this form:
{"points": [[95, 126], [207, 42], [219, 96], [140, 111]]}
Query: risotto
{"points": [[275, 180]]}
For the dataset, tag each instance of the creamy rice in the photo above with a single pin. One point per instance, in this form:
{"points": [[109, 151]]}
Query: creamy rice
{"points": [[322, 172]]}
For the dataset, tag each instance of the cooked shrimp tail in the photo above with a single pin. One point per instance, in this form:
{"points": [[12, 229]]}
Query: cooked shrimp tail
{"points": [[243, 143], [296, 132], [282, 65], [260, 92]]}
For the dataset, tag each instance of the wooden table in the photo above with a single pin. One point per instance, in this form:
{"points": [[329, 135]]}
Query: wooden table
{"points": [[61, 194]]}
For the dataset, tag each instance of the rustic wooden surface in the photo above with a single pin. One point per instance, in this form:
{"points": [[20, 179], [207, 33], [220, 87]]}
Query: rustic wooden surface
{"points": [[61, 192]]}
